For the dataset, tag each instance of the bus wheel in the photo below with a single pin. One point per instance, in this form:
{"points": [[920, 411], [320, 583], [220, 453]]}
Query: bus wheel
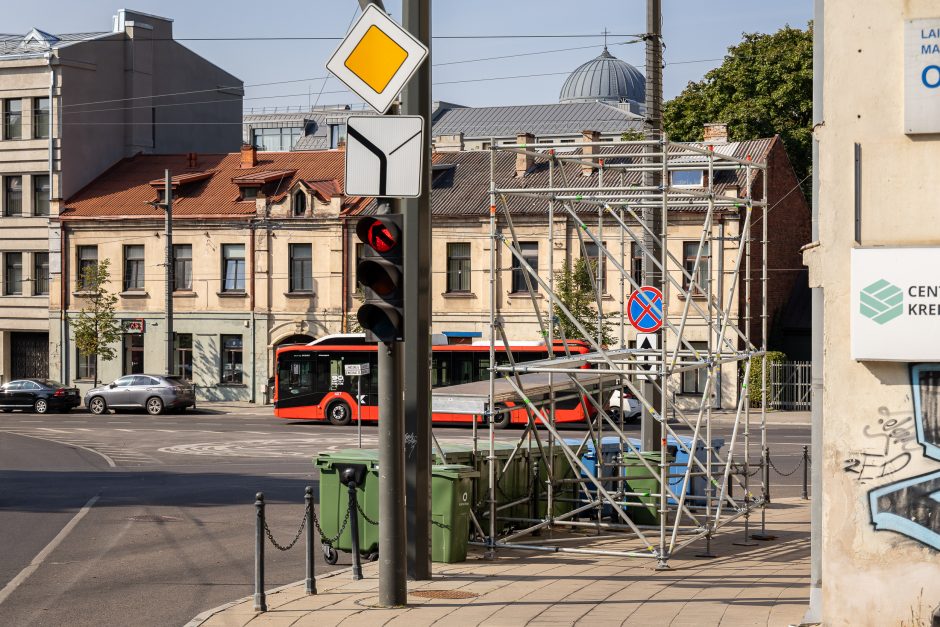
{"points": [[339, 414], [503, 419]]}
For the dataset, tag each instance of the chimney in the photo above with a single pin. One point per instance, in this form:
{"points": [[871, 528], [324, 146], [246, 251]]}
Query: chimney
{"points": [[191, 160], [249, 156], [524, 162], [589, 137], [716, 133], [449, 143]]}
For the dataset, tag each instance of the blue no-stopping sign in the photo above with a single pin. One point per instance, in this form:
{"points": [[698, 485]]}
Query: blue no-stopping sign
{"points": [[645, 309]]}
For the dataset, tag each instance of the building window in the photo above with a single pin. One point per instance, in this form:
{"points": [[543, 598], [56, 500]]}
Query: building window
{"points": [[182, 267], [458, 267], [276, 139], [530, 252], [87, 264], [85, 365], [693, 381], [13, 274], [337, 135], [300, 204], [40, 274], [359, 249], [133, 267], [687, 178], [598, 260], [41, 118], [40, 194], [249, 193], [183, 356], [13, 196], [301, 267], [133, 353], [699, 282], [231, 359], [233, 267], [12, 119], [636, 264]]}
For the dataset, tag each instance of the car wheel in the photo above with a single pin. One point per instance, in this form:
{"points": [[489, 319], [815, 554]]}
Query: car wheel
{"points": [[6, 411], [339, 414], [154, 405], [614, 413], [41, 406], [97, 406]]}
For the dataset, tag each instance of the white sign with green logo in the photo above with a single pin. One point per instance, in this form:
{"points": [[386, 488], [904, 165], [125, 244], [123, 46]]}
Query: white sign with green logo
{"points": [[896, 304]]}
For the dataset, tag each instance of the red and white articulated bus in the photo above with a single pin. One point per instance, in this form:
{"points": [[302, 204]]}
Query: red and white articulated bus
{"points": [[310, 383]]}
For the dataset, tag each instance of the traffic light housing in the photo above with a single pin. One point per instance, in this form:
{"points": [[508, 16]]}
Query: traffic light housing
{"points": [[382, 274]]}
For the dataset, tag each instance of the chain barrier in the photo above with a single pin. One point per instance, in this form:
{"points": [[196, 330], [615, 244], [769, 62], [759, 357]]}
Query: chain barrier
{"points": [[329, 541], [267, 531], [342, 528], [364, 516], [440, 524], [784, 474]]}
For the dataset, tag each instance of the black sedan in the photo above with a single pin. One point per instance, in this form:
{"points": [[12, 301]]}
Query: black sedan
{"points": [[38, 395]]}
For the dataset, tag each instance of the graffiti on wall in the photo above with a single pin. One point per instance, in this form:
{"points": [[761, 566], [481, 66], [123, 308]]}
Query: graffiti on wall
{"points": [[891, 445], [911, 506]]}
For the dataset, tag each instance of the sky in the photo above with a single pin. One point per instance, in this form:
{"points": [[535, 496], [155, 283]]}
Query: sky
{"points": [[697, 34]]}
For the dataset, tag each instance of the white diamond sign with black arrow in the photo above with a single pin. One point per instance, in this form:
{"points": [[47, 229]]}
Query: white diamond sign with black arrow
{"points": [[648, 342]]}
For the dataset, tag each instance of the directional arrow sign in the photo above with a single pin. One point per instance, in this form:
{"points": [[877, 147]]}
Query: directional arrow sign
{"points": [[384, 156], [377, 58], [646, 342]]}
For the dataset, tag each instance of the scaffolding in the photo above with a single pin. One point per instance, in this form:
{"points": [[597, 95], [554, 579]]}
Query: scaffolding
{"points": [[633, 196]]}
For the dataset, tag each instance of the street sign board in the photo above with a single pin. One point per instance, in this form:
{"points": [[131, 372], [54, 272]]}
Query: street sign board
{"points": [[646, 342], [922, 76], [356, 370], [645, 309], [377, 58], [384, 156]]}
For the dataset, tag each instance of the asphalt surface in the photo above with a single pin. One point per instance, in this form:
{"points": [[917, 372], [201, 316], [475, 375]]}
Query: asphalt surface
{"points": [[169, 531]]}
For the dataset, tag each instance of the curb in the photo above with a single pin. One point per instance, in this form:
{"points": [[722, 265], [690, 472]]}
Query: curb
{"points": [[202, 617]]}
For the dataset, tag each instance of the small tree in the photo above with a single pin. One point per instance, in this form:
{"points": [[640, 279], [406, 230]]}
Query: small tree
{"points": [[575, 291], [96, 328]]}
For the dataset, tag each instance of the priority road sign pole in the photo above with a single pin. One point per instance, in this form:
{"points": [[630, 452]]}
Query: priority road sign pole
{"points": [[416, 100]]}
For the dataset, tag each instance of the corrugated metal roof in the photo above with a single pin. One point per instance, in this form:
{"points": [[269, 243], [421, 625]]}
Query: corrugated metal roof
{"points": [[37, 42], [540, 120], [125, 189]]}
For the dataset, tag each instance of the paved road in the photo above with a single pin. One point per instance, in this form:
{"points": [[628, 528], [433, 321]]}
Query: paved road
{"points": [[170, 533]]}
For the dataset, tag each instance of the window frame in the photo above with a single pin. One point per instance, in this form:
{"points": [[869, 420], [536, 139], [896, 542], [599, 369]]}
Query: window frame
{"points": [[228, 357], [41, 197], [299, 204], [689, 252], [81, 264], [699, 183], [84, 366], [226, 259], [300, 269], [8, 284], [517, 278], [40, 274], [636, 265], [8, 194], [600, 276], [456, 285], [183, 356], [133, 279], [184, 263], [41, 118], [8, 123], [693, 381]]}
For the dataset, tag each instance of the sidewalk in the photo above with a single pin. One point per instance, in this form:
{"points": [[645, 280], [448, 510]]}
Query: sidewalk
{"points": [[766, 584]]}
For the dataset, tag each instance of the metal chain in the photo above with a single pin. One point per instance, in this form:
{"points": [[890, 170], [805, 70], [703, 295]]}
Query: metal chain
{"points": [[784, 474], [367, 519], [267, 530], [323, 538], [439, 524]]}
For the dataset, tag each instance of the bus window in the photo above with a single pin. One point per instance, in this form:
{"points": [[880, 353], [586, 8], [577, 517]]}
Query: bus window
{"points": [[295, 378], [372, 389], [482, 367], [330, 372], [462, 364], [440, 369]]}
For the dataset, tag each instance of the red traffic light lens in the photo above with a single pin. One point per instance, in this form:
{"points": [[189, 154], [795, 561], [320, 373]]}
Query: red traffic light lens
{"points": [[380, 237]]}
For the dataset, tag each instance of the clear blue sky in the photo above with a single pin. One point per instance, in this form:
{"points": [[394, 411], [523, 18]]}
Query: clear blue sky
{"points": [[692, 30]]}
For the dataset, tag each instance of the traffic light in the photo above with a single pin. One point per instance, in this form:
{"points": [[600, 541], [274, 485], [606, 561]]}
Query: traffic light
{"points": [[382, 274]]}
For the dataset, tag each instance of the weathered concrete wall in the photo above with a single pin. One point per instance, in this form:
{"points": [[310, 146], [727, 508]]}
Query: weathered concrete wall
{"points": [[870, 576]]}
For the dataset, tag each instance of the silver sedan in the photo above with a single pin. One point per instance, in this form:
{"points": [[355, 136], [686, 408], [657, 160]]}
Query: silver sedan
{"points": [[152, 392]]}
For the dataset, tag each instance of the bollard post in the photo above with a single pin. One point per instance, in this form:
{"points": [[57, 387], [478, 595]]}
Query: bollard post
{"points": [[767, 474], [311, 582], [354, 531], [805, 472], [260, 602]]}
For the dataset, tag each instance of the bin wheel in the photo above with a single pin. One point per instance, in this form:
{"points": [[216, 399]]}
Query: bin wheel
{"points": [[373, 556], [330, 555], [339, 414]]}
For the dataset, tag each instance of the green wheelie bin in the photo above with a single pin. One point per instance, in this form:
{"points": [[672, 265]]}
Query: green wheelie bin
{"points": [[334, 500], [451, 496], [639, 479]]}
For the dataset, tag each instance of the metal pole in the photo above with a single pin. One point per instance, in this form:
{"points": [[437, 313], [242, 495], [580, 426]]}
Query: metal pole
{"points": [[805, 493], [168, 207], [491, 408], [260, 602], [354, 530], [392, 540], [310, 583], [416, 100]]}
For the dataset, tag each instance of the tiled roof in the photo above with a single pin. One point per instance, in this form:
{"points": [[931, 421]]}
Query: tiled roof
{"points": [[37, 42], [463, 190], [540, 120], [125, 189]]}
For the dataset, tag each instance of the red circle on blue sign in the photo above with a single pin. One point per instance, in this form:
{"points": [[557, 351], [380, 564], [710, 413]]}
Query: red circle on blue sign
{"points": [[645, 309]]}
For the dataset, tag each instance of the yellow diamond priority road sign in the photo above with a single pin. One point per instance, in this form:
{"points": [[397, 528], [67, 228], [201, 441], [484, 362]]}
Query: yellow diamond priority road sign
{"points": [[377, 58]]}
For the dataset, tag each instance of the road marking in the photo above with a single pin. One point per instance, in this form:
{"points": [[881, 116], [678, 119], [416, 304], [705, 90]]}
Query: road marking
{"points": [[84, 448], [24, 574]]}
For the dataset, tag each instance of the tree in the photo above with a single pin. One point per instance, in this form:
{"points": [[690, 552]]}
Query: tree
{"points": [[764, 87], [575, 291], [96, 329]]}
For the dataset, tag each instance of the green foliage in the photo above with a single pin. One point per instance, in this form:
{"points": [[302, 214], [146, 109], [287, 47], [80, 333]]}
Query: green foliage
{"points": [[763, 88], [754, 381], [632, 136], [575, 291], [96, 328]]}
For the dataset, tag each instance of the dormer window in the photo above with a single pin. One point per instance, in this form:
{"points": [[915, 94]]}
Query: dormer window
{"points": [[249, 193], [300, 204], [687, 178]]}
